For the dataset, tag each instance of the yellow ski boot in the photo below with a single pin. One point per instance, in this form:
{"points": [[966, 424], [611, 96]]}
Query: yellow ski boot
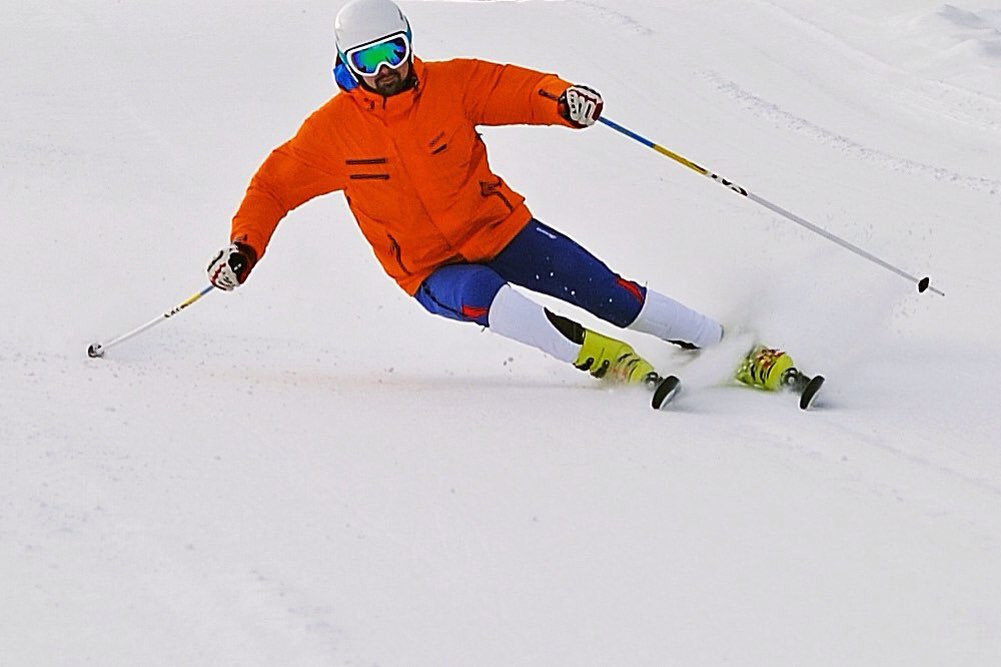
{"points": [[766, 368], [605, 357]]}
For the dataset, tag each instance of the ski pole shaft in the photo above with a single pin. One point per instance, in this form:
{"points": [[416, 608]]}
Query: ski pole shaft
{"points": [[98, 349], [923, 284]]}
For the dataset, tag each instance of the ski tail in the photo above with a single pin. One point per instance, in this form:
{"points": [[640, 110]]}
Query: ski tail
{"points": [[807, 387], [664, 391]]}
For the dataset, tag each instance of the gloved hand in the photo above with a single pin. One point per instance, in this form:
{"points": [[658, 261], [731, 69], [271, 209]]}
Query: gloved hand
{"points": [[581, 105], [231, 266]]}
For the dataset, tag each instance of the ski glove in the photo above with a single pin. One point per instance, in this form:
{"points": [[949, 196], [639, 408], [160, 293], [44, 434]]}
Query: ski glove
{"points": [[581, 105], [231, 266]]}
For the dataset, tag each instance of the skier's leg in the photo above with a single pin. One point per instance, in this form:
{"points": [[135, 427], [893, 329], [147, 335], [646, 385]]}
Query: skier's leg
{"points": [[475, 293], [544, 260], [676, 323]]}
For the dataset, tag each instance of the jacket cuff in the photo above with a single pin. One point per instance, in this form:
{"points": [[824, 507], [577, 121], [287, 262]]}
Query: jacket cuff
{"points": [[551, 88]]}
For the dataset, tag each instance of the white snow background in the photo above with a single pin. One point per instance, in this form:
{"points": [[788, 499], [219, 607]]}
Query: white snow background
{"points": [[313, 471]]}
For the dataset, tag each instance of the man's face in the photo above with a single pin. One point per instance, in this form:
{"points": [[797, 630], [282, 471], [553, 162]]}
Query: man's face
{"points": [[388, 81]]}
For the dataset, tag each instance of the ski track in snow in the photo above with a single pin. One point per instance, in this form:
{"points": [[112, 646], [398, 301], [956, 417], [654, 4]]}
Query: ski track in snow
{"points": [[614, 16], [972, 482], [988, 109], [985, 110], [958, 97], [772, 112]]}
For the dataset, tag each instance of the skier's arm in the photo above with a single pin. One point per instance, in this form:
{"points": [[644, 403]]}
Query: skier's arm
{"points": [[294, 173], [510, 95]]}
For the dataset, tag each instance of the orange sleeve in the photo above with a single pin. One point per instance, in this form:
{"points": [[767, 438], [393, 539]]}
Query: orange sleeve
{"points": [[510, 95], [306, 166]]}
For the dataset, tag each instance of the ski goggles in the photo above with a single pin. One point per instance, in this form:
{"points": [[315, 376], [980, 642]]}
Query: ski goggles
{"points": [[392, 51]]}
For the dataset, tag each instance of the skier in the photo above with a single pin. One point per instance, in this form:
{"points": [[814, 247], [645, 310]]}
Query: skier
{"points": [[400, 140]]}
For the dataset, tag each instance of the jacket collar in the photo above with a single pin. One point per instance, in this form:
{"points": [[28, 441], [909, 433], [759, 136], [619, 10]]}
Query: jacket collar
{"points": [[388, 106]]}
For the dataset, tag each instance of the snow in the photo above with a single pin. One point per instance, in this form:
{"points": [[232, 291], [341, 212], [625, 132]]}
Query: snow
{"points": [[312, 471]]}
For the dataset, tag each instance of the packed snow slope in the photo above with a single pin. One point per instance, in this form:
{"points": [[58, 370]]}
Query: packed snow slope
{"points": [[313, 471]]}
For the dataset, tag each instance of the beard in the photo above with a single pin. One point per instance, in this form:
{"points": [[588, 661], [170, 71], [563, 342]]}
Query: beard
{"points": [[389, 83]]}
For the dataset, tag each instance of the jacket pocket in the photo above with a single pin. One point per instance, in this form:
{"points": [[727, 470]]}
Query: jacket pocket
{"points": [[450, 152], [494, 189], [394, 248], [367, 169]]}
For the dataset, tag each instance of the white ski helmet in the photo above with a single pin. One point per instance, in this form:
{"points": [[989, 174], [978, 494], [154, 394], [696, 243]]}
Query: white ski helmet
{"points": [[365, 21]]}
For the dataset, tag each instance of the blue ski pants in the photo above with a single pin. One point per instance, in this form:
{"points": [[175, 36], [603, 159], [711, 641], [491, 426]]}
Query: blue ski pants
{"points": [[543, 260]]}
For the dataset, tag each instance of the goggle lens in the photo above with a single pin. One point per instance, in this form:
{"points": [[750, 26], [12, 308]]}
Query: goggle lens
{"points": [[392, 51]]}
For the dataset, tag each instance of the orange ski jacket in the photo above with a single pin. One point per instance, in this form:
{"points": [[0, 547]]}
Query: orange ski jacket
{"points": [[412, 166]]}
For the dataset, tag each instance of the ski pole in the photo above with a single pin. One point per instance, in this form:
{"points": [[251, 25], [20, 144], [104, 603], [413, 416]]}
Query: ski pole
{"points": [[924, 284], [98, 349]]}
